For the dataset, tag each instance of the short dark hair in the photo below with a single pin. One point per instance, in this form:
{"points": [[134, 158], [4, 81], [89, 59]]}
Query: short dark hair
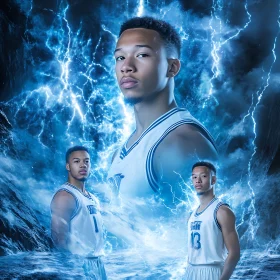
{"points": [[74, 149], [205, 163], [166, 31]]}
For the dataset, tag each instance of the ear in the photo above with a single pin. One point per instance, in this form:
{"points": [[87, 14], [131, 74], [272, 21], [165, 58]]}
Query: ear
{"points": [[68, 166], [174, 66], [213, 180]]}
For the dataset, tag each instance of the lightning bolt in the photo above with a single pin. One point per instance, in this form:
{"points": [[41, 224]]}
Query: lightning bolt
{"points": [[140, 8], [253, 222], [217, 44]]}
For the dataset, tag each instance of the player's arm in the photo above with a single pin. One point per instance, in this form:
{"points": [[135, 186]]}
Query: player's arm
{"points": [[189, 140], [183, 144], [179, 150], [63, 206], [226, 220]]}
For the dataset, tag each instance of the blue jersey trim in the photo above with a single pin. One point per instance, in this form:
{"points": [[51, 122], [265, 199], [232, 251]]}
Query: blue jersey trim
{"points": [[196, 214], [151, 176], [215, 213], [76, 199], [74, 187], [125, 151]]}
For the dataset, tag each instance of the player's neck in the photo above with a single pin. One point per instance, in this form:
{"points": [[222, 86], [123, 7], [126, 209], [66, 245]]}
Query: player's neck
{"points": [[205, 199], [78, 184], [147, 112]]}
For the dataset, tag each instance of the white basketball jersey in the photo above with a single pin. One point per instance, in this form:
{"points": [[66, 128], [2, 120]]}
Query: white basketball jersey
{"points": [[86, 227], [131, 173], [205, 239]]}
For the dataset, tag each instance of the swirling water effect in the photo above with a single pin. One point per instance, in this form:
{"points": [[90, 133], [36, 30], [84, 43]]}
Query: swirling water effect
{"points": [[63, 92]]}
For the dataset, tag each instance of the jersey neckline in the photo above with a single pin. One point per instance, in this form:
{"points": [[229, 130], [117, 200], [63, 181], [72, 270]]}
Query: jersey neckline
{"points": [[125, 151], [199, 213], [74, 187]]}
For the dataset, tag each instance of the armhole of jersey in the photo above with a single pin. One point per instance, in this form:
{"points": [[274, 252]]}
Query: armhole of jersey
{"points": [[76, 199], [215, 213], [115, 154], [150, 172]]}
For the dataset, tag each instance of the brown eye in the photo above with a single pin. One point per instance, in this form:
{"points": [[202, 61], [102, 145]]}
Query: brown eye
{"points": [[142, 55], [118, 58]]}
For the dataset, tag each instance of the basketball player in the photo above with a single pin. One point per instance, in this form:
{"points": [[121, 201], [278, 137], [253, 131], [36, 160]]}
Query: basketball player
{"points": [[152, 162], [76, 224], [211, 230]]}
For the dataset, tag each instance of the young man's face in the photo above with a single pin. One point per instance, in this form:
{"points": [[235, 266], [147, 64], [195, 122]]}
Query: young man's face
{"points": [[78, 165], [141, 64], [202, 179]]}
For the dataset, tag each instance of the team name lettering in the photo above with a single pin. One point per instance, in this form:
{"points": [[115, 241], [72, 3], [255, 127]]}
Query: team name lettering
{"points": [[195, 225]]}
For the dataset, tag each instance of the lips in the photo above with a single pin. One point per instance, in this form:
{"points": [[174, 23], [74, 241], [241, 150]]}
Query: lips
{"points": [[83, 172], [128, 82]]}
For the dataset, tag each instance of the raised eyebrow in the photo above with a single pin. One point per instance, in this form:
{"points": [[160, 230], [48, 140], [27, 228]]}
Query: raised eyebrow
{"points": [[137, 46]]}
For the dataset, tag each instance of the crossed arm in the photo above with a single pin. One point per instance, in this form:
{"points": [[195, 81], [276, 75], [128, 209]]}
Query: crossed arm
{"points": [[62, 208], [226, 220]]}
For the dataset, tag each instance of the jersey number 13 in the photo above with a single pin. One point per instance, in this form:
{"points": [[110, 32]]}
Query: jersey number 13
{"points": [[195, 237]]}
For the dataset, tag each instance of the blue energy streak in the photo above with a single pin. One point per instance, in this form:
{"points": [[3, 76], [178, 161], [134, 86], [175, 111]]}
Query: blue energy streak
{"points": [[76, 99], [218, 32], [254, 220]]}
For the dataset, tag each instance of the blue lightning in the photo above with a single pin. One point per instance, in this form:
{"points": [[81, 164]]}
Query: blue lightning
{"points": [[76, 100], [217, 44], [254, 220], [140, 9]]}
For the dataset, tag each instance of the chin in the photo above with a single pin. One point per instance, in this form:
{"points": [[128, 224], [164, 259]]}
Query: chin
{"points": [[200, 193], [83, 179], [133, 100]]}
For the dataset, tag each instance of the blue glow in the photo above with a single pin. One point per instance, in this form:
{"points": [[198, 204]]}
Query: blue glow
{"points": [[71, 97]]}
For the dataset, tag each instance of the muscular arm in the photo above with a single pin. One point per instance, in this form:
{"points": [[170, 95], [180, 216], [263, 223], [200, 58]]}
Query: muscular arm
{"points": [[63, 206], [226, 220], [175, 155]]}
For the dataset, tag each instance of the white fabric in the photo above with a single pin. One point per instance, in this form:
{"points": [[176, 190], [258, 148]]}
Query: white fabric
{"points": [[203, 272], [94, 269], [131, 173], [86, 228], [205, 239]]}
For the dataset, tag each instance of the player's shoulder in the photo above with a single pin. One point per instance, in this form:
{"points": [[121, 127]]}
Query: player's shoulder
{"points": [[186, 131], [64, 198], [188, 138], [224, 212], [190, 133], [63, 193]]}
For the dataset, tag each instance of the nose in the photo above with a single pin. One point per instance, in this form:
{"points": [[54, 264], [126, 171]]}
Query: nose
{"points": [[198, 179], [83, 164], [128, 66]]}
